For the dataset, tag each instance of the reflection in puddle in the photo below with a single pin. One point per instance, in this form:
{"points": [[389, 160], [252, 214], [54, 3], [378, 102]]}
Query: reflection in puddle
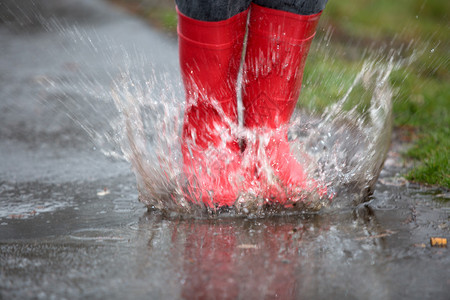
{"points": [[286, 257]]}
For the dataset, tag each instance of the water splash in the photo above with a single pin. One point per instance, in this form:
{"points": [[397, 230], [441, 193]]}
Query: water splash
{"points": [[345, 149], [350, 146], [342, 148]]}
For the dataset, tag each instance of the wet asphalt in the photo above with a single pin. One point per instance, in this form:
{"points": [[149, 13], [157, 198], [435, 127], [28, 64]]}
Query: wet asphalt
{"points": [[71, 225]]}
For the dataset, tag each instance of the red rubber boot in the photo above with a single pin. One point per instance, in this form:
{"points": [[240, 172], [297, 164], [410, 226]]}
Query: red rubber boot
{"points": [[210, 54], [277, 46]]}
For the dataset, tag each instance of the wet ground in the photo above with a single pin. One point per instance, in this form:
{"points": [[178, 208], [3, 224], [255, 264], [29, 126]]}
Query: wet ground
{"points": [[71, 225]]}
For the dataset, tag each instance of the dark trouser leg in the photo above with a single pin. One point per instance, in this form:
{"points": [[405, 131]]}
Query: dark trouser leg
{"points": [[212, 10], [299, 7], [218, 10]]}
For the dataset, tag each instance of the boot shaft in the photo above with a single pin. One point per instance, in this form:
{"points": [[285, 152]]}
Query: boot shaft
{"points": [[277, 47], [210, 55]]}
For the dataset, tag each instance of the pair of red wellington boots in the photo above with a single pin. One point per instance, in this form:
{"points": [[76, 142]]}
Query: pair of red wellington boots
{"points": [[210, 55]]}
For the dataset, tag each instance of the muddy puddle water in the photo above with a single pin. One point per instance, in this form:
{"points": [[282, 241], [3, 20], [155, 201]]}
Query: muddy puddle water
{"points": [[71, 225], [96, 249]]}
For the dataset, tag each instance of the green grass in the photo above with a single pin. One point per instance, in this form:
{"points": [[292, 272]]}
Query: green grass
{"points": [[431, 151], [378, 19], [165, 17], [422, 99], [428, 111], [332, 77]]}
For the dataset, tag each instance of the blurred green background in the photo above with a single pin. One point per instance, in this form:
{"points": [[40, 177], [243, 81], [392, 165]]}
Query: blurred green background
{"points": [[349, 30]]}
